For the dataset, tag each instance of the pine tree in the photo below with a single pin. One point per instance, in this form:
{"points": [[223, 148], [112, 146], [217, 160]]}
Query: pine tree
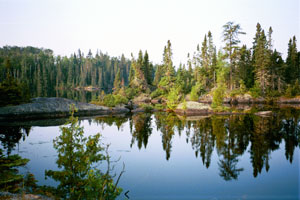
{"points": [[117, 82], [292, 63], [262, 63], [231, 32]]}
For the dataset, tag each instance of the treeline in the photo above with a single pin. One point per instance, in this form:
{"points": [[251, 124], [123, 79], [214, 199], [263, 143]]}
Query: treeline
{"points": [[43, 72], [259, 70], [234, 69]]}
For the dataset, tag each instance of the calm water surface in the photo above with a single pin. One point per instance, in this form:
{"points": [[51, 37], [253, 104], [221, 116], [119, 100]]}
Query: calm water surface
{"points": [[167, 157]]}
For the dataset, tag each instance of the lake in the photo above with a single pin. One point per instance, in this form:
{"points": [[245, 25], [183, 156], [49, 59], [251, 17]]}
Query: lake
{"points": [[171, 157]]}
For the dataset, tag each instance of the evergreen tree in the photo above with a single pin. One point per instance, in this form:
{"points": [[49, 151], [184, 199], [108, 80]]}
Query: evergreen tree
{"points": [[292, 62], [231, 34], [262, 63], [117, 82]]}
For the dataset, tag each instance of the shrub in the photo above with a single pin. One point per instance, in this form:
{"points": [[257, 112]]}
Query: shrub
{"points": [[130, 92], [111, 100], [147, 107], [235, 92], [255, 92], [159, 106], [196, 91], [289, 91], [184, 106], [173, 98], [194, 96], [156, 93], [218, 95]]}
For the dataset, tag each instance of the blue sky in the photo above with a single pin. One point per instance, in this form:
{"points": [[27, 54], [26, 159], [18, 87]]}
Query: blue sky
{"points": [[125, 26]]}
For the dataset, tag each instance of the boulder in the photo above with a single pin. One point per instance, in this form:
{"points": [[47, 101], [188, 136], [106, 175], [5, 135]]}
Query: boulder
{"points": [[242, 99], [53, 107], [264, 113], [205, 99], [142, 98], [192, 108], [284, 100]]}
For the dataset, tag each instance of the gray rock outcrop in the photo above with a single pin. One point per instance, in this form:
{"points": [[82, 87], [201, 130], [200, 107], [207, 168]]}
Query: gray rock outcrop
{"points": [[53, 107]]}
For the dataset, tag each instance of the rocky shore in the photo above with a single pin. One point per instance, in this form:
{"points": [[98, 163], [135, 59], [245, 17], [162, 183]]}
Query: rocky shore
{"points": [[41, 108]]}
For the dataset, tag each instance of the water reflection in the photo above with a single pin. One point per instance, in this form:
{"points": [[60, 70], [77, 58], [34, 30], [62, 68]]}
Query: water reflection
{"points": [[11, 135], [231, 136]]}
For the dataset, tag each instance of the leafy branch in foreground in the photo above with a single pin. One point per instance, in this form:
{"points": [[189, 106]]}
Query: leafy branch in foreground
{"points": [[79, 158]]}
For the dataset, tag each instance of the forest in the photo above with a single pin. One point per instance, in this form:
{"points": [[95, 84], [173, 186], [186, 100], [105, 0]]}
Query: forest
{"points": [[234, 69]]}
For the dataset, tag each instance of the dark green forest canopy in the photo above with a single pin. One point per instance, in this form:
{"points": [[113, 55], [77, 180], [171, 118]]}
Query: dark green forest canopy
{"points": [[43, 72], [258, 70]]}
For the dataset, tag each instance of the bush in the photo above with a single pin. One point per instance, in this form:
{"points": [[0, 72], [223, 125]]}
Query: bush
{"points": [[111, 100], [156, 93], [273, 93], [159, 107], [218, 95], [196, 91], [235, 92], [289, 91], [173, 98], [194, 95], [130, 92], [255, 92], [147, 107]]}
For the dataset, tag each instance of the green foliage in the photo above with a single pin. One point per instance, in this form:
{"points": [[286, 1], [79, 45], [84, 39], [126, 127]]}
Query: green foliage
{"points": [[218, 96], [196, 91], [130, 92], [111, 100], [184, 106], [240, 91], [43, 72], [147, 107], [255, 92], [173, 98], [273, 93], [159, 106], [78, 156], [10, 180], [156, 93], [12, 92], [292, 91]]}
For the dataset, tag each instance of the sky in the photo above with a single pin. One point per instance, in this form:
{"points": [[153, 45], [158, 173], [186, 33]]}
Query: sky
{"points": [[121, 27]]}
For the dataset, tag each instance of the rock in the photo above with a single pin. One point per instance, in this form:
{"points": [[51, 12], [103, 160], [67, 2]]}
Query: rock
{"points": [[137, 110], [259, 100], [155, 101], [264, 113], [193, 118], [241, 99], [143, 98], [283, 100], [205, 99], [227, 100], [55, 107], [193, 109]]}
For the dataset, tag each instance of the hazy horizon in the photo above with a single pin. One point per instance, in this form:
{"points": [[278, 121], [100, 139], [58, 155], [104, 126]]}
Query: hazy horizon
{"points": [[123, 27]]}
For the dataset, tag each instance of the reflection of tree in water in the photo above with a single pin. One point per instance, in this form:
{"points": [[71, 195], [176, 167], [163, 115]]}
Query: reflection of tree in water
{"points": [[166, 123], [227, 146], [264, 139], [111, 121], [232, 135], [11, 135], [290, 132], [142, 129], [203, 140]]}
